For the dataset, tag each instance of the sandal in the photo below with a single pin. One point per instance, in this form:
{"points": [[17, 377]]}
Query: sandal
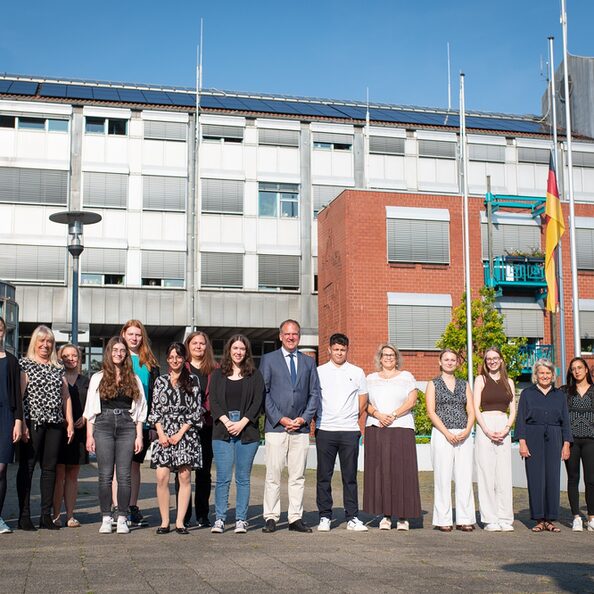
{"points": [[540, 527], [550, 527], [73, 523]]}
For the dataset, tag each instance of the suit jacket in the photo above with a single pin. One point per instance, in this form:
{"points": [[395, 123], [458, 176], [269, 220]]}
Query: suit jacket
{"points": [[252, 392], [281, 398]]}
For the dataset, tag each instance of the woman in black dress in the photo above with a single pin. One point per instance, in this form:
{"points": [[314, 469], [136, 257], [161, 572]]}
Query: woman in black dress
{"points": [[176, 413], [11, 415], [73, 454], [47, 405], [542, 428]]}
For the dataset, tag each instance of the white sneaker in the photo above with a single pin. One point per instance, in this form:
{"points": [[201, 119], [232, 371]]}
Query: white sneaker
{"points": [[356, 525], [591, 525], [105, 525], [122, 527], [240, 527], [402, 525], [578, 525], [218, 527], [324, 525], [506, 527], [492, 528], [385, 524]]}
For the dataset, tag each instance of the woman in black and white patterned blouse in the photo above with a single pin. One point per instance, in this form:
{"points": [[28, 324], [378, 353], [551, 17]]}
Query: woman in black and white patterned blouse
{"points": [[47, 406], [580, 401]]}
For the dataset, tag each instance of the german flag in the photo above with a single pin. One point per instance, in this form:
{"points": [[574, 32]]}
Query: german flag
{"points": [[555, 227]]}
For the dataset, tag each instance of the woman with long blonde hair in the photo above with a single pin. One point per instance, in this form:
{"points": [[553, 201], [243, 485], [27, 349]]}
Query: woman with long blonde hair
{"points": [[47, 405], [115, 412]]}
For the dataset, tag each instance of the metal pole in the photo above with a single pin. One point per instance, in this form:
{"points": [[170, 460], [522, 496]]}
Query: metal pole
{"points": [[466, 234], [449, 79], [74, 337], [577, 346], [490, 228], [562, 337]]}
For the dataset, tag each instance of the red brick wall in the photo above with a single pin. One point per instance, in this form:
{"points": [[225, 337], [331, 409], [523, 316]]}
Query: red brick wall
{"points": [[354, 275]]}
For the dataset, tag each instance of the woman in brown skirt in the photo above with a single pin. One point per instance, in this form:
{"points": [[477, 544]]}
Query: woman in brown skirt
{"points": [[391, 480]]}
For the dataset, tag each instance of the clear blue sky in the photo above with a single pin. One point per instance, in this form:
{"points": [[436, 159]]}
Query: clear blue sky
{"points": [[323, 48]]}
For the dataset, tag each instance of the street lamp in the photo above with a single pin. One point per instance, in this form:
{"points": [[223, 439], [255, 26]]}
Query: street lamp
{"points": [[76, 220]]}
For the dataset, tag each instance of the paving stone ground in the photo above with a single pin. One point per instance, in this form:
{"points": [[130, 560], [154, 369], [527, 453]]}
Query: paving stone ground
{"points": [[422, 560]]}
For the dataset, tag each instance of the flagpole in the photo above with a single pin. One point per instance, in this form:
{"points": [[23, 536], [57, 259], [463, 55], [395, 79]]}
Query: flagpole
{"points": [[366, 153], [577, 346], [464, 163], [562, 337]]}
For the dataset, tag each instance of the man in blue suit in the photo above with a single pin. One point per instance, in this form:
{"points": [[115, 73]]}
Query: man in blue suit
{"points": [[291, 401]]}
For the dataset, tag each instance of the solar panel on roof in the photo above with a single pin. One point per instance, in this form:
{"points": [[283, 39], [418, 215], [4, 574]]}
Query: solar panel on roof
{"points": [[52, 90], [209, 101], [21, 87], [79, 92], [4, 84], [182, 99], [106, 94], [131, 96], [279, 107], [232, 103], [157, 97], [356, 113]]}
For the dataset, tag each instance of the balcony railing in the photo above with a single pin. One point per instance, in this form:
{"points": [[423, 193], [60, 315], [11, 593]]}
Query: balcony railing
{"points": [[530, 353], [516, 271]]}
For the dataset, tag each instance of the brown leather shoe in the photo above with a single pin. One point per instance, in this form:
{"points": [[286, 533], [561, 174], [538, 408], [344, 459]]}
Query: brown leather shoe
{"points": [[465, 527], [445, 528]]}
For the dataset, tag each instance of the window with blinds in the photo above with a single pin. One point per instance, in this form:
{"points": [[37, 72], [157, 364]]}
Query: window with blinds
{"points": [[103, 266], [105, 190], [533, 155], [522, 322], [155, 130], [163, 193], [39, 263], [269, 136], [586, 325], [582, 159], [584, 240], [491, 153], [278, 272], [221, 270], [331, 141], [437, 149], [163, 269], [417, 327], [386, 145], [222, 196], [510, 238], [33, 186], [418, 241], [222, 133], [323, 195]]}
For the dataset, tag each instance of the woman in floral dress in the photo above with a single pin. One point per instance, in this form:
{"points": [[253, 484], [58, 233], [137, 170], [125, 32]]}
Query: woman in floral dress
{"points": [[176, 413]]}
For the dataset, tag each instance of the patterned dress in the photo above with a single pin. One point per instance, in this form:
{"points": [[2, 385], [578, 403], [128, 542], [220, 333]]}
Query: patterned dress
{"points": [[42, 400], [173, 408]]}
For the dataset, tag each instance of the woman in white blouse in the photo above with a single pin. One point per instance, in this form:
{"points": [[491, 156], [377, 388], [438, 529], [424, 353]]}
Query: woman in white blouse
{"points": [[391, 481]]}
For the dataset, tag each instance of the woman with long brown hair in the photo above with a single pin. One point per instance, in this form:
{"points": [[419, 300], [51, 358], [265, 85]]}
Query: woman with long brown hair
{"points": [[237, 391], [47, 405], [145, 366], [202, 363], [176, 413], [72, 454], [494, 395], [115, 411]]}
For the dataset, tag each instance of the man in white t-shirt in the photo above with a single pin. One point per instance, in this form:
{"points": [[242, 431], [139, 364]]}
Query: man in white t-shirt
{"points": [[344, 397]]}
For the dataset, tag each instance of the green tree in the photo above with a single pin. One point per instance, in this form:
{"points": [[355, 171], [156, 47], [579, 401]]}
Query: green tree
{"points": [[487, 331]]}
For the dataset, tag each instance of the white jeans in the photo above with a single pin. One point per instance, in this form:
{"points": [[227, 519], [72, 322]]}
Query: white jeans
{"points": [[451, 460], [282, 449], [494, 472]]}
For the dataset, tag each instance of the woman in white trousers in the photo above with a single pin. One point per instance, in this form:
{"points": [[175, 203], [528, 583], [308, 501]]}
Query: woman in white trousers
{"points": [[451, 410], [494, 395]]}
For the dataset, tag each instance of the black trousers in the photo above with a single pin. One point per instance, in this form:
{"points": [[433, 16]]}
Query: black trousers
{"points": [[43, 447], [203, 479], [345, 445], [582, 450]]}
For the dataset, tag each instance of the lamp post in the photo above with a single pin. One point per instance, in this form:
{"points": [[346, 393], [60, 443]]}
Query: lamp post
{"points": [[76, 220]]}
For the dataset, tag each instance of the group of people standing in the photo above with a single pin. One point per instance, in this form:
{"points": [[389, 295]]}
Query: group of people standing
{"points": [[200, 411]]}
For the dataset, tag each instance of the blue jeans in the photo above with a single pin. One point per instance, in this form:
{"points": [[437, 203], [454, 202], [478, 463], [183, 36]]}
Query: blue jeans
{"points": [[114, 433], [227, 453]]}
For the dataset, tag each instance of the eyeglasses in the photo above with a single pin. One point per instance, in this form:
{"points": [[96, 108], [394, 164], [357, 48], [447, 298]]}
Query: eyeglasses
{"points": [[388, 356], [492, 359]]}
